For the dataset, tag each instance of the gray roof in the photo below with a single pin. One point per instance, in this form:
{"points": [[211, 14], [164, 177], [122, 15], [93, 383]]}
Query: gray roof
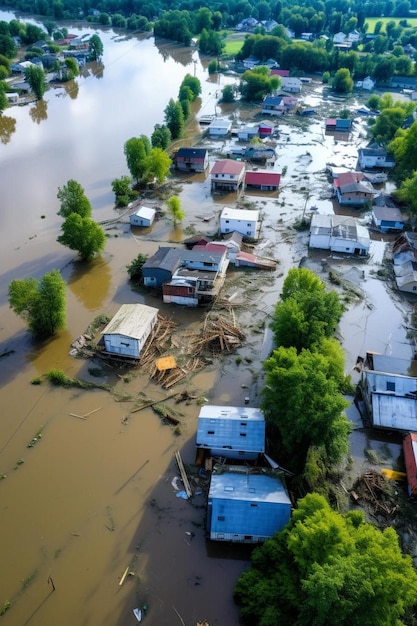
{"points": [[394, 403], [131, 320], [202, 256], [388, 214], [164, 258]]}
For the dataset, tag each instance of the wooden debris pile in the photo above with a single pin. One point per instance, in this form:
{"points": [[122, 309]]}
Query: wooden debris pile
{"points": [[158, 341], [216, 336], [169, 377], [377, 493]]}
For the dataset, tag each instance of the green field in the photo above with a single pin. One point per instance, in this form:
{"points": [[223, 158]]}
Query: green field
{"points": [[233, 42], [371, 21]]}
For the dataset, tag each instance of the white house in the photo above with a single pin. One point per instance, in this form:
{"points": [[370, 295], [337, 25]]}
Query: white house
{"points": [[143, 216], [368, 83], [246, 133], [244, 221], [374, 157], [219, 128], [291, 84], [339, 233], [126, 334]]}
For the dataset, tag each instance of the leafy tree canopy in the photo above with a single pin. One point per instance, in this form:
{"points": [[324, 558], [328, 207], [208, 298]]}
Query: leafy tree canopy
{"points": [[35, 76], [328, 569], [256, 84], [342, 81], [161, 136], [158, 164], [175, 210], [40, 302], [73, 200], [194, 86], [304, 407], [96, 48], [404, 149], [83, 235], [174, 118], [136, 150]]}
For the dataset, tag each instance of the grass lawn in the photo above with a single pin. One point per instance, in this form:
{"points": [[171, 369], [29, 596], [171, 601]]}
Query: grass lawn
{"points": [[233, 42], [411, 21]]}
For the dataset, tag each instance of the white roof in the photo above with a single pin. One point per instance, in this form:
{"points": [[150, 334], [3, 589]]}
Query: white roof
{"points": [[245, 215], [145, 211], [214, 411], [131, 320]]}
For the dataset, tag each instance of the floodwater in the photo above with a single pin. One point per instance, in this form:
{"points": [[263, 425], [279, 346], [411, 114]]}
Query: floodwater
{"points": [[95, 496]]}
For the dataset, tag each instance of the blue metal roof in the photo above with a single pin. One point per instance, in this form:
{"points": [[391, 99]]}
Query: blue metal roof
{"points": [[231, 428], [245, 506]]}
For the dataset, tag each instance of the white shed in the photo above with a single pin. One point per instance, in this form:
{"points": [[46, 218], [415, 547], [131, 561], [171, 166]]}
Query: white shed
{"points": [[127, 332], [244, 221], [143, 216], [339, 233]]}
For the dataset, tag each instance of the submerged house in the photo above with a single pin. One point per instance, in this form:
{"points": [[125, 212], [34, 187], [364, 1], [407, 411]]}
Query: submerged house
{"points": [[339, 233], [246, 133], [219, 129], [191, 159], [337, 125], [232, 432], [246, 505], [126, 334], [387, 217], [143, 216], [160, 267], [352, 190], [263, 180], [369, 158], [404, 248], [227, 174], [273, 105], [244, 221], [406, 276], [389, 392]]}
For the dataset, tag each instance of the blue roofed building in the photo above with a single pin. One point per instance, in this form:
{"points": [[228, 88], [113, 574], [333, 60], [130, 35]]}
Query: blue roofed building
{"points": [[231, 432], [246, 505]]}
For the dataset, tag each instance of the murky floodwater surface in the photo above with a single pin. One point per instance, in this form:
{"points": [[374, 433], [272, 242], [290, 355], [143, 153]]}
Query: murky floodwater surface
{"points": [[94, 496]]}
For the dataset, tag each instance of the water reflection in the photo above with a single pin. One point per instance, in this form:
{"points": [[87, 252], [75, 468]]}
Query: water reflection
{"points": [[97, 69], [7, 128], [71, 88], [167, 50], [39, 112], [90, 282]]}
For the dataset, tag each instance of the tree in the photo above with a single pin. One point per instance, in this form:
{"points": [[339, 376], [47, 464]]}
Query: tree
{"points": [[3, 98], [256, 84], [342, 81], [122, 189], [35, 77], [134, 269], [40, 302], [228, 94], [161, 136], [174, 118], [158, 164], [303, 407], [95, 48], [193, 84], [404, 149], [307, 312], [73, 200], [327, 568], [72, 68], [175, 210], [83, 235], [7, 46], [387, 123], [407, 193], [136, 150]]}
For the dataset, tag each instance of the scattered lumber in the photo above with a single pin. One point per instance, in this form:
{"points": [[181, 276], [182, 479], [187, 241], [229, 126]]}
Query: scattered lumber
{"points": [[183, 473]]}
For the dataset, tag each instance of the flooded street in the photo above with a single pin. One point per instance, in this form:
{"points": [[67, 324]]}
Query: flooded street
{"points": [[94, 496]]}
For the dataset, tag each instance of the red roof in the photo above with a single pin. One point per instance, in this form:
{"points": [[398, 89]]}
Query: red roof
{"points": [[262, 178], [331, 121], [211, 247], [280, 73], [228, 166], [347, 178]]}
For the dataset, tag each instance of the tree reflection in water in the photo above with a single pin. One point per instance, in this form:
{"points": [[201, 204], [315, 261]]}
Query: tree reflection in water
{"points": [[39, 112], [7, 128]]}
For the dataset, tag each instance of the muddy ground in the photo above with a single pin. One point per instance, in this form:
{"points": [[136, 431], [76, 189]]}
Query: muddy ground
{"points": [[98, 495]]}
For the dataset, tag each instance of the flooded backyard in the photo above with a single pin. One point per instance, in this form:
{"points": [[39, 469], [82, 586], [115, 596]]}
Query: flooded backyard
{"points": [[94, 497]]}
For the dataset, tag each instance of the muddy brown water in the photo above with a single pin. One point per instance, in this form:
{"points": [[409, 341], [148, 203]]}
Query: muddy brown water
{"points": [[95, 496]]}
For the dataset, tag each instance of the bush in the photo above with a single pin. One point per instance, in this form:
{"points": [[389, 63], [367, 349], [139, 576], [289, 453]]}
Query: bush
{"points": [[134, 270]]}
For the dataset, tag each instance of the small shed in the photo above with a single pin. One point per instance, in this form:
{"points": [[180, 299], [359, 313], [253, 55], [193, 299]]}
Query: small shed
{"points": [[160, 267], [246, 133], [232, 432], [127, 332], [388, 218], [246, 506], [410, 459], [339, 233], [266, 129], [143, 216], [219, 129], [390, 400]]}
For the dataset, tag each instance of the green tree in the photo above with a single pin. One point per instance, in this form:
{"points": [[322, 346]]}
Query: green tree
{"points": [[161, 136], [327, 568], [174, 118], [134, 269], [342, 81], [7, 46], [136, 150], [95, 48], [404, 149], [158, 164], [72, 68], [228, 94], [175, 210], [40, 302], [73, 200], [35, 77], [406, 194], [387, 123], [256, 84], [193, 84], [83, 235], [303, 407], [3, 98], [122, 189]]}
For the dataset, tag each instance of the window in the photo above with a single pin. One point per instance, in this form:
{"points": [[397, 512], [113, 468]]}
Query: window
{"points": [[390, 386], [221, 518], [242, 434], [249, 233], [229, 488], [254, 505], [226, 221], [210, 432]]}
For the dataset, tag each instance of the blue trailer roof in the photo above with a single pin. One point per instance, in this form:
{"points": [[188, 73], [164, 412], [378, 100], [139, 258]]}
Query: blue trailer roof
{"points": [[233, 428]]}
